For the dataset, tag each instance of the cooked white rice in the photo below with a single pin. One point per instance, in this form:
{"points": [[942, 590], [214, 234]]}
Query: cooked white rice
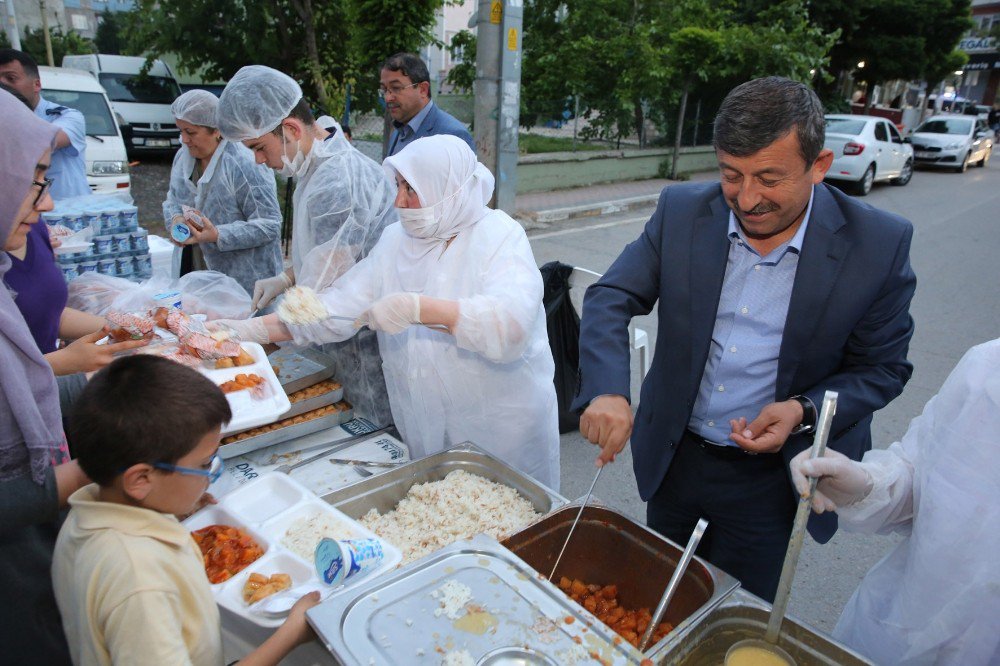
{"points": [[301, 306], [438, 513], [458, 658], [305, 533], [452, 597]]}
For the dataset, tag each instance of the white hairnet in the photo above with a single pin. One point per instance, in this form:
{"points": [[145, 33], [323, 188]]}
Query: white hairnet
{"points": [[255, 101], [197, 107]]}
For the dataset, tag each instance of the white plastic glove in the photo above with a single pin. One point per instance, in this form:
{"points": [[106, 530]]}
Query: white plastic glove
{"points": [[842, 481], [248, 330], [393, 313], [268, 289]]}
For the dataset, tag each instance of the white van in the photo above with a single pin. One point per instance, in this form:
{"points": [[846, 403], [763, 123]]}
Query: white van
{"points": [[107, 161], [142, 101]]}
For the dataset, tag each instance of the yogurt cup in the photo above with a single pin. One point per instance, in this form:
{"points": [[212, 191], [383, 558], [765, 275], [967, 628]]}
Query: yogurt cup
{"points": [[143, 265], [69, 271], [92, 219], [110, 222], [124, 266], [180, 232], [107, 267], [121, 243], [103, 244], [139, 240], [74, 221], [128, 218], [87, 267], [340, 560]]}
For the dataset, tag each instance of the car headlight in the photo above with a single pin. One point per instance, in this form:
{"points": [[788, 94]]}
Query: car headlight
{"points": [[953, 146], [110, 168]]}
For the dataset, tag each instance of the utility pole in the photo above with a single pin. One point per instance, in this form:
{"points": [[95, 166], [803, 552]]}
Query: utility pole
{"points": [[45, 31], [12, 31], [498, 93]]}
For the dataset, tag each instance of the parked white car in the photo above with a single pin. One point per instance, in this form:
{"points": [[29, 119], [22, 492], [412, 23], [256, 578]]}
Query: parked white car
{"points": [[952, 142], [867, 149], [107, 161]]}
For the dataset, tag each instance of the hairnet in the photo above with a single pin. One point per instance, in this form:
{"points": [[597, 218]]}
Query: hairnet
{"points": [[255, 101], [197, 107]]}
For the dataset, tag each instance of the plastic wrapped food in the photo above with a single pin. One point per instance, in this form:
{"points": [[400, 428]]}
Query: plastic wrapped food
{"points": [[301, 306], [129, 326]]}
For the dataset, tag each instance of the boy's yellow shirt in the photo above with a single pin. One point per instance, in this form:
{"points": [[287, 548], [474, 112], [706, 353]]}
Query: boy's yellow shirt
{"points": [[131, 587]]}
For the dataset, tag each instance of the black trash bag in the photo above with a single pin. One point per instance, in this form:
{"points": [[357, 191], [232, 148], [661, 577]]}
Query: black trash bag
{"points": [[563, 325]]}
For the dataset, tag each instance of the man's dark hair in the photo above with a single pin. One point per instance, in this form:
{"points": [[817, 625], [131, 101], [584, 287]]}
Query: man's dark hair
{"points": [[410, 65], [28, 63], [22, 98], [300, 111], [142, 409], [757, 113]]}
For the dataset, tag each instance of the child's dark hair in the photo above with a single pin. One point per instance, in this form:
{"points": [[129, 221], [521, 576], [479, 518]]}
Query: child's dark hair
{"points": [[142, 409]]}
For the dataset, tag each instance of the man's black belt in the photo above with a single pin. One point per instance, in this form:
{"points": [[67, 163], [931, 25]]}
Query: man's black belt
{"points": [[720, 450]]}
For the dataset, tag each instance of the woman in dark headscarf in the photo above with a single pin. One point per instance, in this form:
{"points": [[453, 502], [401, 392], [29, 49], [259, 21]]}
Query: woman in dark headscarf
{"points": [[36, 475]]}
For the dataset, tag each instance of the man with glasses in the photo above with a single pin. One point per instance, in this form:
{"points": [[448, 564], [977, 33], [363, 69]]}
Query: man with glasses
{"points": [[69, 167], [406, 88]]}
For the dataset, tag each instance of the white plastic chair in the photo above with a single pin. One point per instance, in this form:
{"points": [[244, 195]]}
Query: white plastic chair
{"points": [[579, 280]]}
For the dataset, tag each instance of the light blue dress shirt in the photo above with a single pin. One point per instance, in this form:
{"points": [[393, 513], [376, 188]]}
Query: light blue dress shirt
{"points": [[742, 367], [404, 133], [69, 167]]}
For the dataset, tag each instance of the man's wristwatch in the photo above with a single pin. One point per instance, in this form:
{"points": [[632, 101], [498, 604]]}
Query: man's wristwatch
{"points": [[808, 424]]}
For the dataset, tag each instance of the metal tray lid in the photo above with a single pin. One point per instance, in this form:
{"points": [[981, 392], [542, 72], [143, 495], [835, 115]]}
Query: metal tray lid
{"points": [[402, 618]]}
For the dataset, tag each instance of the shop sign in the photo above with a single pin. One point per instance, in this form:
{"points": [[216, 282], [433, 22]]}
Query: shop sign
{"points": [[978, 44]]}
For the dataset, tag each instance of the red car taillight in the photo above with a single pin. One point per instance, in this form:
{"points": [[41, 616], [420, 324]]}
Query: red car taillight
{"points": [[852, 148]]}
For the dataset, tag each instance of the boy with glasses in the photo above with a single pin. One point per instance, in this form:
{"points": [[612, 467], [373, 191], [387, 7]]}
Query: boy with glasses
{"points": [[129, 579], [405, 86]]}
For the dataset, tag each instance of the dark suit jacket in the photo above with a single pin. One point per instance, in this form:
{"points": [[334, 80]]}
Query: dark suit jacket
{"points": [[437, 121], [848, 325]]}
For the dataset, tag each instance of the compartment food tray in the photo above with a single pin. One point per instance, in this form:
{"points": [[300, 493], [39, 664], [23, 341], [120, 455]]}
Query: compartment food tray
{"points": [[248, 411], [265, 509], [397, 619], [285, 434], [300, 367]]}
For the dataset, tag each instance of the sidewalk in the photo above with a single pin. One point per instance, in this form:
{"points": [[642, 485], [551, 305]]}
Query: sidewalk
{"points": [[536, 210]]}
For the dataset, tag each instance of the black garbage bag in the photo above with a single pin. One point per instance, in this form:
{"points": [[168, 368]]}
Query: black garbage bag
{"points": [[563, 324]]}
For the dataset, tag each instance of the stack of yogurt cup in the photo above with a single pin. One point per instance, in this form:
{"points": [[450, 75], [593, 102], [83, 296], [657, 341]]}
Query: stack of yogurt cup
{"points": [[119, 248]]}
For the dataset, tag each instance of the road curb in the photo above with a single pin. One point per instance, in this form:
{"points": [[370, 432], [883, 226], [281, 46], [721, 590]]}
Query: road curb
{"points": [[540, 219]]}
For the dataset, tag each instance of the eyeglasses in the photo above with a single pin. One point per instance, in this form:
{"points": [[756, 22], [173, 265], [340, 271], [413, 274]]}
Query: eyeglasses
{"points": [[213, 472], [395, 90], [44, 185]]}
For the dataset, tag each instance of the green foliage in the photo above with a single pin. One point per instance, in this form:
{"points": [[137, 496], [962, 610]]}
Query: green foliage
{"points": [[323, 44], [4, 40], [537, 143], [63, 43], [109, 34], [462, 75]]}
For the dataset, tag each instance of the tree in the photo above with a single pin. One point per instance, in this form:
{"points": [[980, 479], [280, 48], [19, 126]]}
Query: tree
{"points": [[463, 51], [325, 45], [109, 38], [68, 43], [4, 40]]}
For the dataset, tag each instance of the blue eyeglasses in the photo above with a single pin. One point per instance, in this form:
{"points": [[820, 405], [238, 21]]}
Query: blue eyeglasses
{"points": [[213, 472]]}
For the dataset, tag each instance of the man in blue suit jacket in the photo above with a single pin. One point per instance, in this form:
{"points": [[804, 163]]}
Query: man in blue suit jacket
{"points": [[773, 288], [405, 86]]}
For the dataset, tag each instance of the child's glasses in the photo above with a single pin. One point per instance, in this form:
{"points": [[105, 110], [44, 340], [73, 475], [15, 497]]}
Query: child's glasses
{"points": [[213, 472]]}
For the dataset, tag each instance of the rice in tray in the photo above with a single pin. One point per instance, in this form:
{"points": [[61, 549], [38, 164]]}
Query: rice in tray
{"points": [[305, 533], [438, 513]]}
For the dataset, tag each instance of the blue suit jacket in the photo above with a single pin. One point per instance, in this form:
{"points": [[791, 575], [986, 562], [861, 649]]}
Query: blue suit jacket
{"points": [[848, 327], [436, 122]]}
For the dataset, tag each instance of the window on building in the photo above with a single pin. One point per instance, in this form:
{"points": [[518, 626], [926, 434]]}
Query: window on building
{"points": [[79, 22]]}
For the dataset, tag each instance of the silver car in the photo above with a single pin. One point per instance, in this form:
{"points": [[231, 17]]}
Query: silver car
{"points": [[952, 142], [867, 149]]}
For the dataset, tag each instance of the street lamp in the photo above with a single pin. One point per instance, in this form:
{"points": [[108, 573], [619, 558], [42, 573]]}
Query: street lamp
{"points": [[861, 65]]}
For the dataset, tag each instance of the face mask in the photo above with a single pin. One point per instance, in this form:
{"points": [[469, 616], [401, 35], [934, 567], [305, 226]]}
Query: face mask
{"points": [[298, 165], [418, 222]]}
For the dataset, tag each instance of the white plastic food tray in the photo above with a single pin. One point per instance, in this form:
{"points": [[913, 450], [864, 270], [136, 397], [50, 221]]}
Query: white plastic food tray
{"points": [[248, 411], [265, 509]]}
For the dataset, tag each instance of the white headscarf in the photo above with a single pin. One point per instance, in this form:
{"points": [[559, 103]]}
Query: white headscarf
{"points": [[447, 178]]}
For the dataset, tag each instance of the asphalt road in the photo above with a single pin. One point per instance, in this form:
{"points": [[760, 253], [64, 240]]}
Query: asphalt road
{"points": [[956, 306]]}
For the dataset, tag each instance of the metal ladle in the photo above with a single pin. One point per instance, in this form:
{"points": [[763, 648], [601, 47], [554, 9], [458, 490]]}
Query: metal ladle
{"points": [[770, 642]]}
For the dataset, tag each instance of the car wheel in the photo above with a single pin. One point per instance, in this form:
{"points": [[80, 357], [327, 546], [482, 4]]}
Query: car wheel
{"points": [[986, 159], [965, 164], [905, 175], [864, 186]]}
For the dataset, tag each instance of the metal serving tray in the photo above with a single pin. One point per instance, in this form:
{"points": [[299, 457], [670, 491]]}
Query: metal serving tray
{"points": [[610, 548], [315, 402], [284, 434], [300, 367], [741, 616], [384, 491], [397, 619]]}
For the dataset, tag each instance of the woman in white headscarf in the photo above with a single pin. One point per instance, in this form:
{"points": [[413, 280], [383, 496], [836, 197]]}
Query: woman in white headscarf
{"points": [[36, 475], [236, 199], [486, 375]]}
